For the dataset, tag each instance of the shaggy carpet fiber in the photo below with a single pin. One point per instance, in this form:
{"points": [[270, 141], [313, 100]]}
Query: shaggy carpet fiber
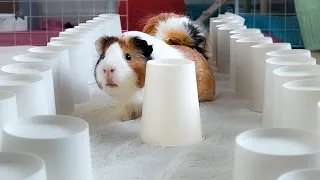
{"points": [[119, 154]]}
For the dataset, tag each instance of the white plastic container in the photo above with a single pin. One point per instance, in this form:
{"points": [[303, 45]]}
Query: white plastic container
{"points": [[9, 23]]}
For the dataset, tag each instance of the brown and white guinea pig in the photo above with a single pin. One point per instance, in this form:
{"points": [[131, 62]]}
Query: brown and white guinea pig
{"points": [[121, 68]]}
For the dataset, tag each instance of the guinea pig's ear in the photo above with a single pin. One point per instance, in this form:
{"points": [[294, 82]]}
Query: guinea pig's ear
{"points": [[143, 46], [104, 42]]}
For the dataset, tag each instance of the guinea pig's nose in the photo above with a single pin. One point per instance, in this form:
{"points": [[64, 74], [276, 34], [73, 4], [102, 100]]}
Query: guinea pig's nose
{"points": [[108, 70]]}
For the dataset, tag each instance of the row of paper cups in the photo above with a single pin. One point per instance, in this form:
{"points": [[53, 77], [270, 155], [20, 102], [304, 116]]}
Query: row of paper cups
{"points": [[38, 83], [263, 72]]}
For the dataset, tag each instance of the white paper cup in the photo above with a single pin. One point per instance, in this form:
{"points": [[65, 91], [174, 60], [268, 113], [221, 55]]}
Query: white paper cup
{"points": [[48, 59], [78, 68], [233, 52], [247, 30], [289, 52], [258, 69], [244, 64], [235, 16], [91, 54], [214, 37], [265, 154], [286, 74], [38, 69], [98, 23], [302, 174], [223, 50], [63, 98], [21, 166], [61, 141], [8, 108], [113, 23], [30, 93], [172, 119], [271, 65], [95, 28], [7, 53], [299, 106]]}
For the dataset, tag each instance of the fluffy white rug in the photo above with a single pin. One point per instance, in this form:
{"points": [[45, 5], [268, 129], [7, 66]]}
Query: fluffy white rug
{"points": [[119, 154]]}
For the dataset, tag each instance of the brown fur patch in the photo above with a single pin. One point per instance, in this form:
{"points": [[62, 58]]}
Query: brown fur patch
{"points": [[205, 79], [178, 38], [103, 43], [151, 22], [137, 62]]}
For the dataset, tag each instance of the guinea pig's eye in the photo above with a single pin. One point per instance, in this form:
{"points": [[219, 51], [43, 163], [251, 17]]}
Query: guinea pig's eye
{"points": [[128, 57]]}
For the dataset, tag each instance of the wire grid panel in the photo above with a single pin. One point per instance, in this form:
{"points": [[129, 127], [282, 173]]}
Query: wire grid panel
{"points": [[34, 22], [275, 18]]}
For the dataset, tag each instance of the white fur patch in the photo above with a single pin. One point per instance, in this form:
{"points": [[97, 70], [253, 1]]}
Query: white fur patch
{"points": [[123, 75], [172, 23]]}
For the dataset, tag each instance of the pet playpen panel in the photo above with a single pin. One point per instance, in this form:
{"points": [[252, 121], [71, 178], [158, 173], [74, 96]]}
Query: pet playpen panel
{"points": [[276, 18], [34, 22]]}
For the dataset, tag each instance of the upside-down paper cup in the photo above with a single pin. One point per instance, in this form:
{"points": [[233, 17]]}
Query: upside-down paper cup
{"points": [[21, 166], [247, 30], [91, 55], [289, 52], [30, 93], [271, 65], [78, 68], [233, 51], [301, 174], [8, 52], [172, 119], [258, 68], [299, 106], [97, 23], [8, 108], [223, 49], [286, 74], [63, 98], [94, 27], [240, 19], [38, 69], [48, 59], [114, 23], [214, 37], [61, 141], [265, 154], [244, 64]]}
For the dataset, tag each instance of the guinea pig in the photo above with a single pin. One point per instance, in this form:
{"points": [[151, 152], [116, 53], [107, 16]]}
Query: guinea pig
{"points": [[121, 68]]}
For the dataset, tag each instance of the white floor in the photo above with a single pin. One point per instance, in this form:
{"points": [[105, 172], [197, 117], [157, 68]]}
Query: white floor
{"points": [[118, 153]]}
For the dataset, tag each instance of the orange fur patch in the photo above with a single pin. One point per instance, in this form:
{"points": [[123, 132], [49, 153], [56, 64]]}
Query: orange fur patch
{"points": [[178, 38], [137, 62], [205, 78], [151, 22]]}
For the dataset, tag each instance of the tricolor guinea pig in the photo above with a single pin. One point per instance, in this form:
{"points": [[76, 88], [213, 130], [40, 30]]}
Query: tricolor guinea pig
{"points": [[121, 68]]}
